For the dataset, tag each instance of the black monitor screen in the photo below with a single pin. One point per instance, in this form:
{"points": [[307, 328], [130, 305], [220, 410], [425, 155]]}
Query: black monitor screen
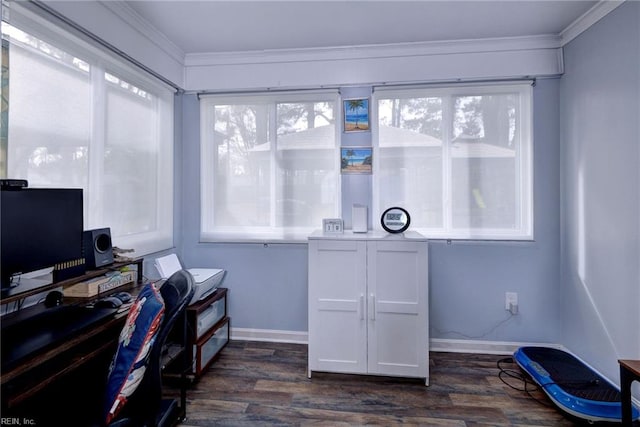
{"points": [[41, 228]]}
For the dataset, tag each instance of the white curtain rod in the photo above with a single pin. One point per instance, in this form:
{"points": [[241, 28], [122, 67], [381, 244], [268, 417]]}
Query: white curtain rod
{"points": [[374, 86], [265, 91], [443, 83], [101, 42]]}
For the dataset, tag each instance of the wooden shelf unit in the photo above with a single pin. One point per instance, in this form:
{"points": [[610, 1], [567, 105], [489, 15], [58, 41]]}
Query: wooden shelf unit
{"points": [[208, 331]]}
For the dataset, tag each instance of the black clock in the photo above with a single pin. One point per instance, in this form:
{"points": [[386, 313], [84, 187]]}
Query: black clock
{"points": [[395, 220]]}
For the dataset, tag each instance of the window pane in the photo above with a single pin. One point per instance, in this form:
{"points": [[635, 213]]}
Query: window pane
{"points": [[242, 175], [457, 158], [131, 135], [49, 119], [272, 166], [71, 125], [410, 158], [484, 162], [305, 190]]}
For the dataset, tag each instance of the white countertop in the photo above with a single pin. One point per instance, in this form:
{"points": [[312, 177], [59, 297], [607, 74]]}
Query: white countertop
{"points": [[369, 235]]}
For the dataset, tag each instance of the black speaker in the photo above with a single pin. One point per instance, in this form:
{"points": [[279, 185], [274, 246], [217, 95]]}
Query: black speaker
{"points": [[98, 251], [53, 299]]}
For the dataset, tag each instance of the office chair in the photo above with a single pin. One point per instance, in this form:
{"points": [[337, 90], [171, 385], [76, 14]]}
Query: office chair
{"points": [[145, 407]]}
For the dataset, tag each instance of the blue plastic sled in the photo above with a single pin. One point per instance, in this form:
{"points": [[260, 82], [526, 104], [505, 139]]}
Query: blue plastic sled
{"points": [[571, 385]]}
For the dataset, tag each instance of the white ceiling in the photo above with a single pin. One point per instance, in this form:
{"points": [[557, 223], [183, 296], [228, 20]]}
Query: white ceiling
{"points": [[213, 26]]}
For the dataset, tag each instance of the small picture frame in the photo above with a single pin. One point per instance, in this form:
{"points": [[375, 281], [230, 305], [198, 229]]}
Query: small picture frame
{"points": [[356, 160], [332, 225], [356, 115]]}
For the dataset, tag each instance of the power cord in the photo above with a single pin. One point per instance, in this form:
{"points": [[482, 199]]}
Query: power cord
{"points": [[496, 326], [527, 386]]}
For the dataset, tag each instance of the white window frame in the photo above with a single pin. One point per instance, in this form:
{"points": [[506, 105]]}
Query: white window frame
{"points": [[101, 61], [209, 232], [524, 229]]}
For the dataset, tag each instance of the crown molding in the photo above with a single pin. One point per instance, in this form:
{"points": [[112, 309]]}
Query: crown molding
{"points": [[373, 51], [551, 41], [590, 17], [142, 26]]}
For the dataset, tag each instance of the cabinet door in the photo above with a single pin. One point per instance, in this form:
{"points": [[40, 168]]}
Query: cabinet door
{"points": [[398, 308], [337, 310]]}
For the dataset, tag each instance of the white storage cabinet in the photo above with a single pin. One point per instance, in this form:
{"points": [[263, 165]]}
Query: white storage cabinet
{"points": [[368, 304]]}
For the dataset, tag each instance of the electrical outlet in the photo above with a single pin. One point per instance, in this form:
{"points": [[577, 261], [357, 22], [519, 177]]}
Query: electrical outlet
{"points": [[509, 299]]}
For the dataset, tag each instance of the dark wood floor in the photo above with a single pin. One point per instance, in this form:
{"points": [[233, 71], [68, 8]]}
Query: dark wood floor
{"points": [[256, 383]]}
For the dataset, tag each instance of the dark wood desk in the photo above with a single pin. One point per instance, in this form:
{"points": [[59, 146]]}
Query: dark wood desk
{"points": [[629, 372], [39, 371], [67, 379]]}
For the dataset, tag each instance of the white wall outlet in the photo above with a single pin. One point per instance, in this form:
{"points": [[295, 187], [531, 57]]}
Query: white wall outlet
{"points": [[509, 299]]}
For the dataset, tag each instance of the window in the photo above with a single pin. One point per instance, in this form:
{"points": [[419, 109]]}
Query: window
{"points": [[269, 165], [458, 159], [80, 118]]}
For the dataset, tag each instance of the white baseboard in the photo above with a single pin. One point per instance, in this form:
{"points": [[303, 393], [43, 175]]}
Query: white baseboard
{"points": [[482, 347], [269, 335], [436, 344]]}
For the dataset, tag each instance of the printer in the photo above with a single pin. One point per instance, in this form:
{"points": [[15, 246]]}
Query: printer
{"points": [[206, 280]]}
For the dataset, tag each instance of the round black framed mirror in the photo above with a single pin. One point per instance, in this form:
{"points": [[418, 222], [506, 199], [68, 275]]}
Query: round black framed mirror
{"points": [[395, 220]]}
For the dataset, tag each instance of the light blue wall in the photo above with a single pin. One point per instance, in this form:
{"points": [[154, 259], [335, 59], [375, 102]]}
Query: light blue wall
{"points": [[584, 294], [268, 285], [467, 279], [600, 116]]}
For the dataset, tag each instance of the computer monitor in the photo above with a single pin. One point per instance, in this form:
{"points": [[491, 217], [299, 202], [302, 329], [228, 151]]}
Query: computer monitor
{"points": [[40, 228]]}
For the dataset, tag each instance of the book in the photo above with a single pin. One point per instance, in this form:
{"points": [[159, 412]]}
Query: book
{"points": [[98, 285]]}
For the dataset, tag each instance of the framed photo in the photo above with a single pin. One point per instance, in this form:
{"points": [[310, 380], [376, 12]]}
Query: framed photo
{"points": [[356, 160], [332, 225], [356, 114]]}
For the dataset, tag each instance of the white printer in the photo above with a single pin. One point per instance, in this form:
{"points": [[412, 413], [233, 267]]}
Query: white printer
{"points": [[206, 280]]}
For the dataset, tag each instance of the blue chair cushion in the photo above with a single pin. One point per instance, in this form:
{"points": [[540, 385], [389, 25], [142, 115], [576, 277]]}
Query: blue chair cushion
{"points": [[134, 345]]}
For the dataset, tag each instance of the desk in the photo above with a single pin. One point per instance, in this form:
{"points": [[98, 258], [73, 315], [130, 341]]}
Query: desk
{"points": [[629, 372], [41, 370], [66, 380]]}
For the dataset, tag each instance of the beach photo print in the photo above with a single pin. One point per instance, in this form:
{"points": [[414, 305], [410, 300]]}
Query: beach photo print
{"points": [[357, 160], [356, 114]]}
